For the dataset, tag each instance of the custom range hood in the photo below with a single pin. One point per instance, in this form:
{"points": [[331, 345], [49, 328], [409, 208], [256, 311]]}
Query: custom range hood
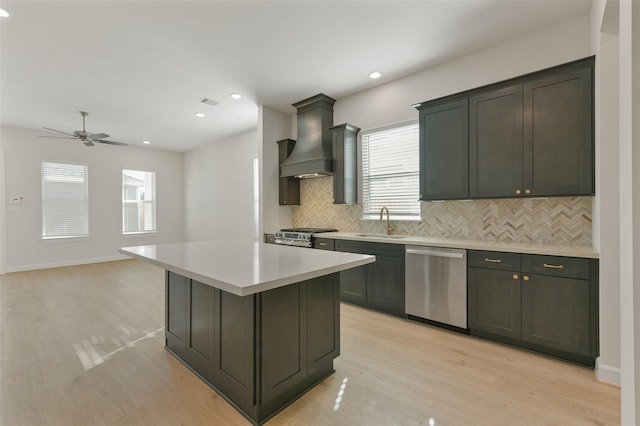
{"points": [[312, 155]]}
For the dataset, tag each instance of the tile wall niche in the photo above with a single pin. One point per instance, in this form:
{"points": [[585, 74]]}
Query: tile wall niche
{"points": [[560, 220]]}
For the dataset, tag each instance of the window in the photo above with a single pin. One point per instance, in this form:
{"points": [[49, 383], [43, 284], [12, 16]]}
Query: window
{"points": [[390, 171], [65, 200], [138, 201]]}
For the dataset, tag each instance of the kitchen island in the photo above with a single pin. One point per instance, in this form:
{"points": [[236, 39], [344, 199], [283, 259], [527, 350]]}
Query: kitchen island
{"points": [[260, 323]]}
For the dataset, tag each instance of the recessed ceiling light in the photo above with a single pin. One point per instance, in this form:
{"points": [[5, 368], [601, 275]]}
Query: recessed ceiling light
{"points": [[374, 75], [199, 114], [146, 142], [4, 13], [236, 95]]}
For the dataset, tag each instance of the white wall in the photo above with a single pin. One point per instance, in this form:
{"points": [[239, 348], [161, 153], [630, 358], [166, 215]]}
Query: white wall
{"points": [[24, 247], [273, 126], [391, 103], [218, 189], [629, 173], [606, 212]]}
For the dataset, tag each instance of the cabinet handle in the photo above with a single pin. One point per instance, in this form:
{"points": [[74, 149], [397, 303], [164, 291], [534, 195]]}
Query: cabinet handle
{"points": [[323, 244], [527, 191], [486, 259], [518, 192], [526, 278], [515, 276], [551, 266]]}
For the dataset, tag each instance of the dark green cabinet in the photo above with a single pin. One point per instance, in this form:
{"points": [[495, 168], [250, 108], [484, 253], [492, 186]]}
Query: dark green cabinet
{"points": [[385, 283], [495, 143], [444, 150], [558, 137], [345, 170], [528, 136], [543, 303], [494, 301], [289, 187], [379, 285], [260, 351]]}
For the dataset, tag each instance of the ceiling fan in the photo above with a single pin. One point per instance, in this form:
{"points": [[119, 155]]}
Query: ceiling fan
{"points": [[87, 138]]}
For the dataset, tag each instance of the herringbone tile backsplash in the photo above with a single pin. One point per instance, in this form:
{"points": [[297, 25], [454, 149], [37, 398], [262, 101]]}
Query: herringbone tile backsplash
{"points": [[561, 220]]}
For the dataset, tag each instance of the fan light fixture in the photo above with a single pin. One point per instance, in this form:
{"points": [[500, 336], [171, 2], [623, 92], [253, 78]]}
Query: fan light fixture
{"points": [[375, 74]]}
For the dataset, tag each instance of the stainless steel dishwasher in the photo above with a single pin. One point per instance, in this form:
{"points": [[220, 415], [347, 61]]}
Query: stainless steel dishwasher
{"points": [[436, 285]]}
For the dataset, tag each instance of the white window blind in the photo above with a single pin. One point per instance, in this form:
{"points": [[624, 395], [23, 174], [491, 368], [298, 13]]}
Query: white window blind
{"points": [[65, 200], [138, 201], [390, 170]]}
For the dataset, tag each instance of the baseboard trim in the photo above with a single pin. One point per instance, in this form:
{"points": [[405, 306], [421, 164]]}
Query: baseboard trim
{"points": [[608, 374], [75, 262]]}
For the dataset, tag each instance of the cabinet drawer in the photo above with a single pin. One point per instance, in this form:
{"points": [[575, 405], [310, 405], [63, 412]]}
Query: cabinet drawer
{"points": [[323, 243], [558, 266], [494, 260], [376, 249]]}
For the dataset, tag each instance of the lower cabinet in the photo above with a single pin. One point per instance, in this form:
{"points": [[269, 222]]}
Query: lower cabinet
{"points": [[262, 350], [543, 303], [378, 285]]}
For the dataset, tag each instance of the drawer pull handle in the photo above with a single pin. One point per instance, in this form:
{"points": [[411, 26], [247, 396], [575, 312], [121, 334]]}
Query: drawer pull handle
{"points": [[515, 276], [323, 244], [526, 278], [486, 259], [551, 266]]}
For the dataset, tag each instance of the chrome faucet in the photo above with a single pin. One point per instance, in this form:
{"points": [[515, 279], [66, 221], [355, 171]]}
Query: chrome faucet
{"points": [[389, 228]]}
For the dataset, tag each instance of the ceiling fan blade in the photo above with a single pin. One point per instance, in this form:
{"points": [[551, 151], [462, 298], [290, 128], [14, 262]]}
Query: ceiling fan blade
{"points": [[113, 143], [56, 137], [58, 131], [97, 136], [88, 143]]}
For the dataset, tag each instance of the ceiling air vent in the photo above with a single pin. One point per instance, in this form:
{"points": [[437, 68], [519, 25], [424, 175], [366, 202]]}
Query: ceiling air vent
{"points": [[209, 101]]}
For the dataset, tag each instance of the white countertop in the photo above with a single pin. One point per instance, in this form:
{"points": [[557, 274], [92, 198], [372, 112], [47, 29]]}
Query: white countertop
{"points": [[514, 247], [245, 267]]}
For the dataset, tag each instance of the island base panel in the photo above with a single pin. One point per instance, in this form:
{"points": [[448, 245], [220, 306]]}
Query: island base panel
{"points": [[260, 352]]}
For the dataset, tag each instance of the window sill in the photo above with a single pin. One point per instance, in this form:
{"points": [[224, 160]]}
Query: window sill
{"points": [[139, 234], [69, 238]]}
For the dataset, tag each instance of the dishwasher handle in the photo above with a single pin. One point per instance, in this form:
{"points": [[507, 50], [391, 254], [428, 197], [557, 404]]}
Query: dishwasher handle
{"points": [[453, 255]]}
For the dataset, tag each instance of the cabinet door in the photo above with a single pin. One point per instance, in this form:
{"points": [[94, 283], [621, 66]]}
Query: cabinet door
{"points": [[176, 326], [385, 284], [345, 173], [200, 341], [495, 143], [289, 187], [556, 313], [558, 137], [234, 363], [444, 151], [353, 285], [494, 302]]}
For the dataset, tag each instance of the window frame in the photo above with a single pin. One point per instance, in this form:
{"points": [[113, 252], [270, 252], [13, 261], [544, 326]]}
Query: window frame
{"points": [[152, 202], [375, 215], [44, 235]]}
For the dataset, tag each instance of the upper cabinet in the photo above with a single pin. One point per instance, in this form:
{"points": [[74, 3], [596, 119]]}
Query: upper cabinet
{"points": [[345, 168], [289, 187], [558, 133], [495, 143], [529, 136], [444, 150]]}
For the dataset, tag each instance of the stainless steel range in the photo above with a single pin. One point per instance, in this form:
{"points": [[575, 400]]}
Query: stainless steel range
{"points": [[299, 237]]}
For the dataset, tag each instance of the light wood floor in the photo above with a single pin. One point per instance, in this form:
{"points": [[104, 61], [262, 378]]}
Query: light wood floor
{"points": [[84, 346]]}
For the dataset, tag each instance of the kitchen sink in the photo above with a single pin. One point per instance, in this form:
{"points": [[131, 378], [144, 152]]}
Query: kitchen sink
{"points": [[393, 237]]}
